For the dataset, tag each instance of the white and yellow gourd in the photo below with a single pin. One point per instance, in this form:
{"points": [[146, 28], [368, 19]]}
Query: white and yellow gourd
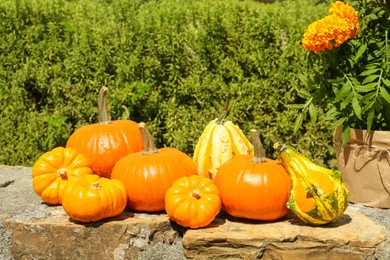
{"points": [[220, 141]]}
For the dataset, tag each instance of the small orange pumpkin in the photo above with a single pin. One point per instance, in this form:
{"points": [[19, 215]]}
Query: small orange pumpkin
{"points": [[106, 142], [193, 201], [91, 198], [148, 175], [53, 169], [254, 187]]}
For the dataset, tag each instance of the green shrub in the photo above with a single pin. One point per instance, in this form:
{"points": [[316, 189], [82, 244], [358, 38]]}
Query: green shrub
{"points": [[172, 63]]}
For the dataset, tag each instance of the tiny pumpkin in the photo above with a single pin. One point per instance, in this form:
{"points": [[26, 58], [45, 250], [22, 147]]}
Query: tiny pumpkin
{"points": [[147, 175], [318, 194], [220, 141], [193, 201], [53, 169], [254, 187], [91, 198], [106, 142]]}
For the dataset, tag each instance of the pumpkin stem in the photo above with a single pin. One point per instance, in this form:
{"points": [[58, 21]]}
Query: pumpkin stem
{"points": [[104, 117], [62, 172], [259, 152], [95, 186], [221, 118], [195, 194], [147, 139]]}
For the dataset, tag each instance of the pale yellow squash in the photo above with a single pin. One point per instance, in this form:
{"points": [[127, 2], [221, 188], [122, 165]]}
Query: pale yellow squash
{"points": [[220, 141]]}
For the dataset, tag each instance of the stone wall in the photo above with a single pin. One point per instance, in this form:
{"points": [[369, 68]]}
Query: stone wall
{"points": [[31, 229]]}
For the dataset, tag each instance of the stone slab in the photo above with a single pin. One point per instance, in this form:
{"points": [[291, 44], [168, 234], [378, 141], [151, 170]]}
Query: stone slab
{"points": [[31, 229], [129, 236], [353, 236]]}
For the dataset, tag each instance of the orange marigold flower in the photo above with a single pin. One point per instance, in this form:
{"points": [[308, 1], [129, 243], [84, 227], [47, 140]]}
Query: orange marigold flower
{"points": [[333, 30], [343, 10], [318, 36], [346, 12]]}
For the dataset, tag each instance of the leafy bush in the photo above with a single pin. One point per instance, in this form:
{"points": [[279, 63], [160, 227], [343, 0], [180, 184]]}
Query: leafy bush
{"points": [[172, 63]]}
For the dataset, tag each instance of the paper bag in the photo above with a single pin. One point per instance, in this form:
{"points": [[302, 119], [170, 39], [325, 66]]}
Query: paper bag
{"points": [[365, 166]]}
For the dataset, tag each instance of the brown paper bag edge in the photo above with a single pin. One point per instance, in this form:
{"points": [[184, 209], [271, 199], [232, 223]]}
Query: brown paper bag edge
{"points": [[367, 186]]}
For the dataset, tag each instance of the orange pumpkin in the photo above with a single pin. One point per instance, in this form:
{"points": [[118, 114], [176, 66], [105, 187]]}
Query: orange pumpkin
{"points": [[53, 169], [106, 142], [92, 198], [254, 187], [193, 201], [148, 175]]}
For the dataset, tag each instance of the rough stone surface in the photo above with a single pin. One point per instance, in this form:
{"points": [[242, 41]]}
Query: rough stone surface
{"points": [[31, 229], [128, 236], [353, 236]]}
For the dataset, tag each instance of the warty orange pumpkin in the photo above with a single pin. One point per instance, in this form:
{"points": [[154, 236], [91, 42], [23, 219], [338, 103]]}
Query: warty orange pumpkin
{"points": [[106, 142], [147, 175], [254, 187], [53, 169]]}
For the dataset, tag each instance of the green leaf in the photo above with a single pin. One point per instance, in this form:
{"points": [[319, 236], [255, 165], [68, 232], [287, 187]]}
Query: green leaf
{"points": [[356, 107], [354, 81], [373, 65], [362, 49], [369, 72], [368, 98], [345, 135], [304, 93], [385, 94], [302, 78], [337, 123], [386, 63], [298, 122], [365, 88], [295, 106], [312, 113], [336, 81], [343, 92], [386, 82], [370, 79], [368, 106], [347, 100], [332, 114], [370, 119]]}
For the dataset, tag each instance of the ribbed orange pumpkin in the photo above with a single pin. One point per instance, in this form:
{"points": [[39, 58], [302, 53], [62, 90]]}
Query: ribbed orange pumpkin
{"points": [[92, 198], [53, 169], [193, 201], [148, 175], [254, 187], [106, 142]]}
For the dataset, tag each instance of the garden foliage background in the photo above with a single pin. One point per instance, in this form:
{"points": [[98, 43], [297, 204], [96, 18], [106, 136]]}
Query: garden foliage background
{"points": [[172, 63]]}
